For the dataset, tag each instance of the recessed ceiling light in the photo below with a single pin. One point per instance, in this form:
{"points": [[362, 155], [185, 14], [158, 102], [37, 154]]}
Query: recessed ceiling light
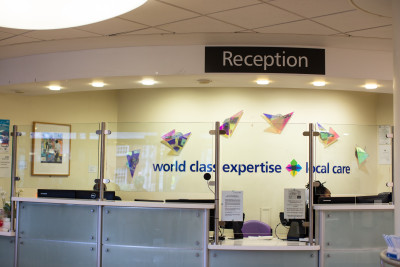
{"points": [[262, 82], [54, 87], [50, 14], [148, 82], [319, 83], [371, 86], [98, 84]]}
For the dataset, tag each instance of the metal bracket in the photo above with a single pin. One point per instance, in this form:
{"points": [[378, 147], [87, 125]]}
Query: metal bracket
{"points": [[212, 132], [105, 181], [308, 133], [17, 134], [106, 132]]}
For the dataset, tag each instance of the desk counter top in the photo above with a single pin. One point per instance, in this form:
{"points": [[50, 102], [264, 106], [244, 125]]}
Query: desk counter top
{"points": [[274, 244], [137, 204]]}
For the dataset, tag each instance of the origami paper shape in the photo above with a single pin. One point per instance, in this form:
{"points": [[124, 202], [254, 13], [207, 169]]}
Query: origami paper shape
{"points": [[327, 138], [230, 124], [361, 155], [277, 122], [175, 141], [133, 160], [293, 168]]}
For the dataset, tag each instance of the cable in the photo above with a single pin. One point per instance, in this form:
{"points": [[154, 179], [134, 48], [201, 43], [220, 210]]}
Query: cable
{"points": [[210, 188]]}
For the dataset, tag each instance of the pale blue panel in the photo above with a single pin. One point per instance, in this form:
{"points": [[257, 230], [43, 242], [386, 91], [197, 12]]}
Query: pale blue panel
{"points": [[114, 256], [352, 258], [243, 258], [58, 222], [357, 229], [153, 227], [35, 253], [7, 251]]}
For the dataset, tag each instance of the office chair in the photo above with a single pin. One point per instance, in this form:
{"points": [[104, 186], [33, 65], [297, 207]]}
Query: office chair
{"points": [[256, 228]]}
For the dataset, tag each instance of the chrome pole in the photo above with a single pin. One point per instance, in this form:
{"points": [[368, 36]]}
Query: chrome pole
{"points": [[14, 177], [102, 159], [311, 183], [216, 194]]}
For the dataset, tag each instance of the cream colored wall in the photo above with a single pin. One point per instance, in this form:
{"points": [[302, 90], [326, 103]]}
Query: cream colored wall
{"points": [[175, 107], [82, 110]]}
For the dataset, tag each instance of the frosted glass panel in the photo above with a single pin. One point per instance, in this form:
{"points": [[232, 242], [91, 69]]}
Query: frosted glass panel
{"points": [[352, 258], [263, 258], [357, 229], [83, 159], [153, 227], [58, 222], [114, 256], [7, 251], [53, 253], [139, 160]]}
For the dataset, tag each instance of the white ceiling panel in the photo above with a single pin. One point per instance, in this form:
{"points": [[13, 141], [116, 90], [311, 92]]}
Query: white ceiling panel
{"points": [[17, 40], [299, 27], [353, 21], [210, 6], [4, 35], [148, 31], [156, 13], [314, 8], [112, 26], [12, 31], [381, 32], [256, 16], [200, 24], [59, 34]]}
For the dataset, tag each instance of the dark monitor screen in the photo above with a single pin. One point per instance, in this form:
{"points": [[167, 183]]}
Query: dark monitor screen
{"points": [[384, 197]]}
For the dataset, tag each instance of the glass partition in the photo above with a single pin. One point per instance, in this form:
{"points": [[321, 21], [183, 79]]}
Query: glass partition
{"points": [[354, 161], [263, 162], [159, 161], [56, 156]]}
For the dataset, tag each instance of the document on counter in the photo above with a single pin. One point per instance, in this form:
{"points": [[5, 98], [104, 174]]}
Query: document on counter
{"points": [[232, 206], [295, 203]]}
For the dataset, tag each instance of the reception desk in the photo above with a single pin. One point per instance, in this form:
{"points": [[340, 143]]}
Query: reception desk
{"points": [[255, 252], [351, 235], [62, 232]]}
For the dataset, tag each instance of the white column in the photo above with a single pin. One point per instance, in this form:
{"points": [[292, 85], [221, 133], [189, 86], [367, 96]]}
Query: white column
{"points": [[396, 112]]}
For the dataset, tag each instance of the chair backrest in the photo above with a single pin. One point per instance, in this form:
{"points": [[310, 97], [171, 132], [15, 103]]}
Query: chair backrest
{"points": [[256, 228]]}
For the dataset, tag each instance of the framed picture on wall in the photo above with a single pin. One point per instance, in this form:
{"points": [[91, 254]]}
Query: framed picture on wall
{"points": [[51, 149]]}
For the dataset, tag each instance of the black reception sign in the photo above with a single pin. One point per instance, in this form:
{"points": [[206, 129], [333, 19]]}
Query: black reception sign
{"points": [[264, 60]]}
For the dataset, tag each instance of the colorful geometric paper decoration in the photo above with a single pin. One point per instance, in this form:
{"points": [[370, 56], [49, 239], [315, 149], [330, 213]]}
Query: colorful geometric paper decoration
{"points": [[327, 138], [175, 141], [230, 124], [361, 155], [293, 168], [133, 160], [277, 122]]}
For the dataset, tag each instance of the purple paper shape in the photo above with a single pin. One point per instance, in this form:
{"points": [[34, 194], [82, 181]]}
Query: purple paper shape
{"points": [[133, 160]]}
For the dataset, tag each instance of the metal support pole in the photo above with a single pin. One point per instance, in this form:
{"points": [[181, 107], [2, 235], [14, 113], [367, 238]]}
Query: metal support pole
{"points": [[311, 183], [102, 159], [311, 135], [217, 158], [14, 177]]}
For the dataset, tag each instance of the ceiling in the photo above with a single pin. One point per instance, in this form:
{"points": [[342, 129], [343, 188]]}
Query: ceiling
{"points": [[338, 23]]}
